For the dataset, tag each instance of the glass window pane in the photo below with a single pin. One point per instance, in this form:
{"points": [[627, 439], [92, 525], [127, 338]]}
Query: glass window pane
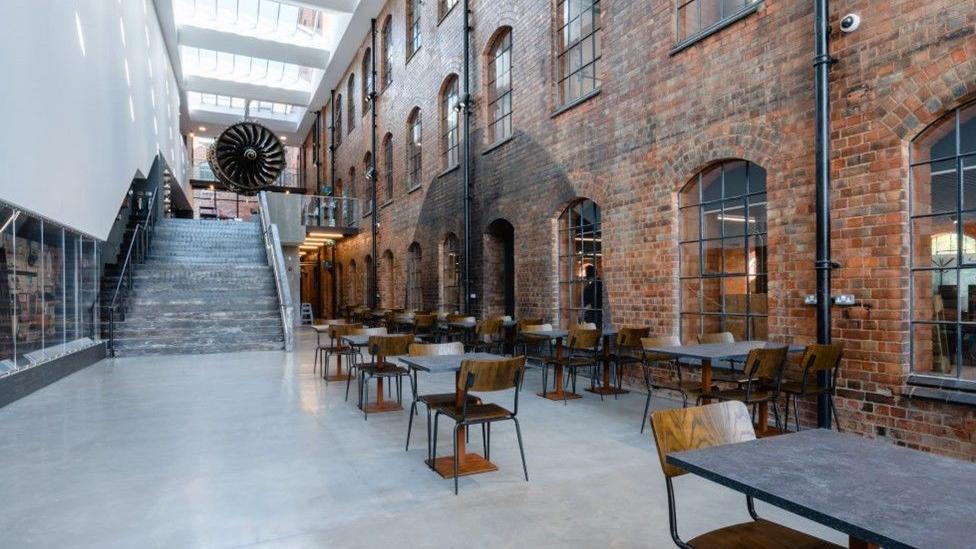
{"points": [[8, 291], [690, 328], [691, 295], [934, 188], [967, 130], [711, 183], [934, 242], [735, 178], [712, 295], [934, 348], [734, 219]]}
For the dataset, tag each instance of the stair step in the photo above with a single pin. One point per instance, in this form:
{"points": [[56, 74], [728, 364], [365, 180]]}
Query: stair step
{"points": [[195, 347], [138, 329]]}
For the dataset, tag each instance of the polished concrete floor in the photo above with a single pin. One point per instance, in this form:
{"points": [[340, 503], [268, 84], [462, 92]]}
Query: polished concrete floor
{"points": [[253, 450]]}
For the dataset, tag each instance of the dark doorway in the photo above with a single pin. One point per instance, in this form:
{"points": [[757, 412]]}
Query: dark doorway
{"points": [[499, 258]]}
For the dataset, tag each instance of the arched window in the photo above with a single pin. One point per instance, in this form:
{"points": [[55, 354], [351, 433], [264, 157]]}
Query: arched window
{"points": [[386, 37], [500, 87], [444, 7], [943, 237], [367, 69], [413, 27], [352, 192], [581, 289], [451, 274], [370, 177], [370, 292], [389, 283], [337, 130], [351, 104], [449, 122], [723, 252], [415, 290], [579, 48], [340, 287], [388, 165], [352, 282], [414, 151]]}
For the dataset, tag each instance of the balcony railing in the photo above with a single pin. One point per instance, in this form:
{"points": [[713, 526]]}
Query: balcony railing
{"points": [[288, 179], [330, 211]]}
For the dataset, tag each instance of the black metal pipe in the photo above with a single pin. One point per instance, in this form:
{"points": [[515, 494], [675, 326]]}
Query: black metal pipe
{"points": [[822, 61], [466, 158], [332, 148], [335, 284], [370, 171]]}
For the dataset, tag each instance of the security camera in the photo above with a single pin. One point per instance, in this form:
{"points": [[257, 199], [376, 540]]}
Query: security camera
{"points": [[850, 22]]}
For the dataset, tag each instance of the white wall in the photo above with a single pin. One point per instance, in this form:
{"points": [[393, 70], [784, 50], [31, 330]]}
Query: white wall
{"points": [[69, 145]]}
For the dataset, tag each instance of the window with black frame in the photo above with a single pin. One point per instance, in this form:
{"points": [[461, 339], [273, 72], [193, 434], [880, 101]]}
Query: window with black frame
{"points": [[337, 125], [452, 274], [367, 69], [698, 17], [449, 122], [943, 241], [413, 27], [500, 88], [581, 288], [351, 103], [370, 180], [414, 151], [579, 48], [445, 6], [386, 36], [370, 290], [388, 165], [415, 290], [723, 252]]}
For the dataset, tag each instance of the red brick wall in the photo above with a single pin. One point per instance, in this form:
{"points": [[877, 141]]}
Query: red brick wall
{"points": [[745, 92]]}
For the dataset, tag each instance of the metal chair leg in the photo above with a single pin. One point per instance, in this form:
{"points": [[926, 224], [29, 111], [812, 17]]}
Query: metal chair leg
{"points": [[413, 408], [647, 408], [833, 409], [518, 433], [456, 427], [433, 450], [364, 396], [488, 444]]}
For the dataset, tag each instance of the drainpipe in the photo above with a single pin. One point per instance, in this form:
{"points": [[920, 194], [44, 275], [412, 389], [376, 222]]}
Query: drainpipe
{"points": [[317, 143], [824, 265], [332, 148], [371, 171], [466, 158]]}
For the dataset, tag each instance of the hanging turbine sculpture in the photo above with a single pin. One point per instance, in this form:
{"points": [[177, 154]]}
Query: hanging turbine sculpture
{"points": [[247, 157]]}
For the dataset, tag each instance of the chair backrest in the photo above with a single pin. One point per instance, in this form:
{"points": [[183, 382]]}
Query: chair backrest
{"points": [[456, 318], [631, 337], [368, 331], [658, 341], [403, 318], [587, 338], [338, 330], [822, 358], [390, 345], [436, 349], [681, 429], [523, 322], [717, 337], [766, 363], [424, 321], [491, 326], [537, 328], [584, 326], [490, 375]]}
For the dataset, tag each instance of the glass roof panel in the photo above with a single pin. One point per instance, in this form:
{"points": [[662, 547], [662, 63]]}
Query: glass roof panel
{"points": [[242, 68], [267, 19]]}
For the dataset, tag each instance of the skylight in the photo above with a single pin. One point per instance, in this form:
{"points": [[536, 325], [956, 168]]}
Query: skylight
{"points": [[241, 106], [245, 69], [264, 19], [197, 100]]}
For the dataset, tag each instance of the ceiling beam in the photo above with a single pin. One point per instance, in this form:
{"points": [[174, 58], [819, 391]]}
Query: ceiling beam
{"points": [[219, 86], [217, 40]]}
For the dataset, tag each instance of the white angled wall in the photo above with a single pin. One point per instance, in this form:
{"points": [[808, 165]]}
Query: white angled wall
{"points": [[74, 127]]}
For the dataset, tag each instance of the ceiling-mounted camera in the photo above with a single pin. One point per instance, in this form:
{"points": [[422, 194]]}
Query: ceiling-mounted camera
{"points": [[850, 22]]}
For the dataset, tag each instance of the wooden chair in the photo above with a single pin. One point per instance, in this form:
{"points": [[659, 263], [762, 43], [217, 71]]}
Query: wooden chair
{"points": [[816, 359], [353, 365], [423, 326], [527, 340], [679, 430], [719, 375], [674, 381], [385, 346], [455, 333], [489, 336], [764, 368], [627, 350], [580, 353], [483, 376], [336, 346], [433, 349]]}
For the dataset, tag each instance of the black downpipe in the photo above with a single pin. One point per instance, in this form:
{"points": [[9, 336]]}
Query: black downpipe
{"points": [[370, 170], [466, 159], [317, 157], [332, 148], [824, 265]]}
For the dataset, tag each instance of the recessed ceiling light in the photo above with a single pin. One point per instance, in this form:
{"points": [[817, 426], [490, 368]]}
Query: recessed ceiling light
{"points": [[202, 128], [284, 138]]}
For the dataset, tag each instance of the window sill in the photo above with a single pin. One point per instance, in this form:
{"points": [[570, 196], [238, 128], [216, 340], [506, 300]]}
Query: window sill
{"points": [[415, 189], [715, 28], [411, 56], [449, 170], [575, 103], [499, 144], [387, 203], [448, 12], [947, 390]]}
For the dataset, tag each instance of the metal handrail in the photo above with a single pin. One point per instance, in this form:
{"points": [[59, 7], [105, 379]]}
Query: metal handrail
{"points": [[272, 245], [143, 235]]}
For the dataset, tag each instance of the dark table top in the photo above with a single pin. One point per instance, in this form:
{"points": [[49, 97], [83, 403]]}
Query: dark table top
{"points": [[559, 333], [444, 363], [363, 340], [719, 351], [874, 491]]}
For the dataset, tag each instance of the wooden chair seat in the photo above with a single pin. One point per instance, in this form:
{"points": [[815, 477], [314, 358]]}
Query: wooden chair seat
{"points": [[476, 413], [758, 534], [445, 399]]}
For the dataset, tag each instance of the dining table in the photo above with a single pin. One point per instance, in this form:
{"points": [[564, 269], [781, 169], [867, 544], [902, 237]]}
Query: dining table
{"points": [[557, 336], [381, 404], [712, 355], [878, 493], [469, 463]]}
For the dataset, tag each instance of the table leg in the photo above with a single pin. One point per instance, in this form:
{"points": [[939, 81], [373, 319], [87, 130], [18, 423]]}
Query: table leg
{"points": [[559, 393], [855, 543], [339, 376], [381, 405], [762, 419], [607, 388], [468, 463], [706, 375], [509, 348]]}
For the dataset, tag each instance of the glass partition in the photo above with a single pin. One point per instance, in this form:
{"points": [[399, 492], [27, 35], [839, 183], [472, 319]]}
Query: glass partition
{"points": [[49, 290]]}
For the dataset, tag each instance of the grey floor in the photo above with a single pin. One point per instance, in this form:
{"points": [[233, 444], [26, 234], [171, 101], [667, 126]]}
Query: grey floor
{"points": [[253, 450]]}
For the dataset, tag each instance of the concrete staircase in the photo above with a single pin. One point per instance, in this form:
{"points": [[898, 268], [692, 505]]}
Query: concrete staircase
{"points": [[205, 288]]}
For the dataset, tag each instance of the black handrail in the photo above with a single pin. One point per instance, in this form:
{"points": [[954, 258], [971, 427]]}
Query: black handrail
{"points": [[143, 235]]}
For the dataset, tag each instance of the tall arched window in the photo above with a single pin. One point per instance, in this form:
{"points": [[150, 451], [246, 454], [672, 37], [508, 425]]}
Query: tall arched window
{"points": [[579, 49], [415, 290], [340, 287], [500, 87], [723, 252], [351, 104], [369, 295], [367, 69], [369, 176], [388, 166], [444, 7], [386, 37], [414, 150], [353, 290], [451, 274], [337, 130], [413, 27], [389, 283], [449, 122], [943, 241], [581, 289], [353, 191]]}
